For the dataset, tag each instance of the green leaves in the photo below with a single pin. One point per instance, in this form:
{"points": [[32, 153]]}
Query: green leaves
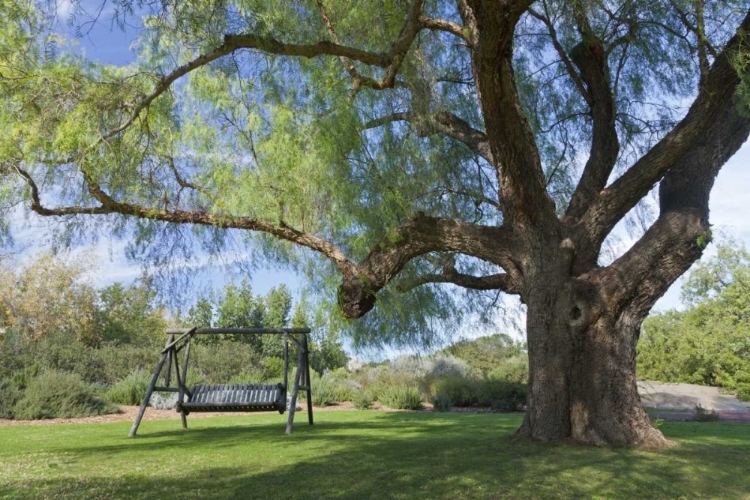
{"points": [[709, 343]]}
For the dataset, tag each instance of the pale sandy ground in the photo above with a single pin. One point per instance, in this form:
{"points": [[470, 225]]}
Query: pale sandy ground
{"points": [[687, 397]]}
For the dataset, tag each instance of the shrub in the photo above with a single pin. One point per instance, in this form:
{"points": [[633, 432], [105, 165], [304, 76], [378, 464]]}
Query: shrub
{"points": [[66, 354], [704, 415], [743, 392], [223, 361], [9, 396], [498, 394], [442, 402], [131, 389], [56, 394], [248, 377], [120, 360], [323, 391], [515, 369], [400, 397], [22, 378], [449, 366], [363, 399], [274, 368]]}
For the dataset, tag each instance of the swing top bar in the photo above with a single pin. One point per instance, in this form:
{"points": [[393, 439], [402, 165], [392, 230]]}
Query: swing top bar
{"points": [[215, 331]]}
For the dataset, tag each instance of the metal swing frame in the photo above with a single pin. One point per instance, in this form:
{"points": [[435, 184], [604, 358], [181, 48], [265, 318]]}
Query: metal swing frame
{"points": [[229, 397]]}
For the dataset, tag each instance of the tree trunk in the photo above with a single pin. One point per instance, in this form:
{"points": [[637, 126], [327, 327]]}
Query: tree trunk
{"points": [[582, 383]]}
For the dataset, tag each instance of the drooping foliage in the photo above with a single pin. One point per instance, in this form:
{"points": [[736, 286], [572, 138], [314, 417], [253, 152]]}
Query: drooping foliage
{"points": [[325, 147]]}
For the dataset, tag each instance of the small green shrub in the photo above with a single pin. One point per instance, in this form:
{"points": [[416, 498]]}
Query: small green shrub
{"points": [[400, 397], [120, 360], [704, 415], [363, 399], [515, 369], [223, 361], [469, 392], [274, 368], [59, 395], [21, 378], [323, 391], [248, 377], [743, 392], [66, 354], [131, 389], [10, 393], [343, 391], [442, 402]]}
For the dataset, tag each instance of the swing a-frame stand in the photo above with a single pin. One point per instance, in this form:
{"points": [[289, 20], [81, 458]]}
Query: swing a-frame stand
{"points": [[229, 397]]}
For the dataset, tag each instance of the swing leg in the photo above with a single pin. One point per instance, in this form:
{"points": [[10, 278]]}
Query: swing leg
{"points": [[184, 420], [295, 390], [147, 397]]}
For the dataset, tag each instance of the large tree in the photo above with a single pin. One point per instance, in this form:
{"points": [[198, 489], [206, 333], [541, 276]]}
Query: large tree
{"points": [[489, 144]]}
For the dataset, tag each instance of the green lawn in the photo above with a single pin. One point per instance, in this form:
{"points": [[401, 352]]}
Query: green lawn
{"points": [[361, 454]]}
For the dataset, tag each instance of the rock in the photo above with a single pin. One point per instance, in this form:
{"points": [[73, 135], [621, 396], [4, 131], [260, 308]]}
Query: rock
{"points": [[161, 402]]}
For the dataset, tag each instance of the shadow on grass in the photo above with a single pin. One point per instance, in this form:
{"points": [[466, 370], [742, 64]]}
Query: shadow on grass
{"points": [[400, 455]]}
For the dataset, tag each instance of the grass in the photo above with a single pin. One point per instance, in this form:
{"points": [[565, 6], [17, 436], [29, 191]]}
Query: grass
{"points": [[362, 454]]}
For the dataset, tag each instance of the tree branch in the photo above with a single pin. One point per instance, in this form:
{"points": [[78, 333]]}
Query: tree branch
{"points": [[591, 59], [520, 174], [443, 25], [444, 123], [715, 102], [499, 281], [418, 236], [561, 52]]}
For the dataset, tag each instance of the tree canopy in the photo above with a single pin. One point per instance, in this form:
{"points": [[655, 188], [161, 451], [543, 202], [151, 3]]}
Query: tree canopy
{"points": [[335, 128], [399, 146]]}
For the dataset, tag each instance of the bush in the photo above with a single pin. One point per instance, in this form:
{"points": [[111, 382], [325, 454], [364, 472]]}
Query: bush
{"points": [[515, 369], [120, 360], [442, 402], [22, 378], [66, 354], [223, 361], [449, 366], [131, 389], [363, 399], [56, 394], [248, 377], [9, 396], [498, 394], [274, 368], [400, 397], [323, 391], [743, 392]]}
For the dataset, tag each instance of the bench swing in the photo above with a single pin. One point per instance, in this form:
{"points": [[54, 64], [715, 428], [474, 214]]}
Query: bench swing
{"points": [[229, 397]]}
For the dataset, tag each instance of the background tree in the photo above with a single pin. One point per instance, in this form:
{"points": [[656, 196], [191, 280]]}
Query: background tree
{"points": [[129, 314], [278, 303], [48, 296], [493, 145], [709, 342]]}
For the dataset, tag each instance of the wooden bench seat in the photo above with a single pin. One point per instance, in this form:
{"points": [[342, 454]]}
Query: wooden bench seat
{"points": [[236, 397]]}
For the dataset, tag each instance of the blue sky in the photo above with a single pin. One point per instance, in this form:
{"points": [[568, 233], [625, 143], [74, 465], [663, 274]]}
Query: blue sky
{"points": [[730, 200]]}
